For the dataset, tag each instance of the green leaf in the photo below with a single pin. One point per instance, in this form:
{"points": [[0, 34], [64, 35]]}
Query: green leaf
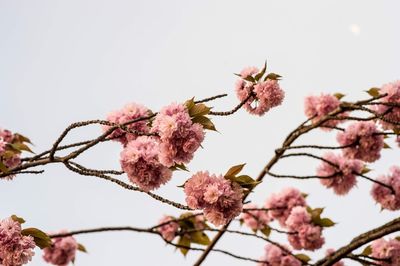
{"points": [[316, 213], [273, 76], [42, 240], [81, 248], [234, 170], [184, 242], [21, 138], [303, 257], [17, 219], [266, 231], [397, 238], [324, 222], [262, 72], [339, 95], [374, 92], [386, 146], [250, 78], [205, 122], [305, 195], [189, 104], [200, 238], [365, 170], [179, 167], [396, 131], [367, 251], [21, 147], [199, 110], [3, 167]]}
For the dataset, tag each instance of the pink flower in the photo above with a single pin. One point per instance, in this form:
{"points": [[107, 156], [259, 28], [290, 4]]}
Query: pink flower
{"points": [[341, 178], [365, 139], [308, 237], [317, 107], [298, 217], [168, 231], [255, 219], [267, 94], [15, 249], [220, 198], [129, 112], [10, 161], [393, 96], [383, 249], [6, 135], [275, 256], [283, 202], [179, 136], [329, 252], [384, 195], [62, 251], [140, 160]]}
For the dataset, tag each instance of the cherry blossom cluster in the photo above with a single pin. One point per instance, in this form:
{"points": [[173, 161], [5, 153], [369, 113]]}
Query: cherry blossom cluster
{"points": [[316, 107], [170, 226], [391, 112], [15, 248], [364, 139], [383, 195], [62, 251], [386, 250], [264, 93], [9, 155], [276, 256], [339, 172], [255, 219], [172, 140], [218, 197], [289, 208]]}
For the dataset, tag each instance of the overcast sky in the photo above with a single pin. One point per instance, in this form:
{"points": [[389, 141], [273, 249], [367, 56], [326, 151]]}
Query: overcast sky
{"points": [[67, 61]]}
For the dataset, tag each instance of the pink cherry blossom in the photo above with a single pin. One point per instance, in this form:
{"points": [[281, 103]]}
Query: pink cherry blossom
{"points": [[316, 107], [140, 160], [341, 178], [7, 137], [393, 96], [62, 252], [168, 231], [15, 248], [386, 249], [267, 94], [254, 219], [275, 256], [384, 195], [298, 217], [220, 199], [366, 141], [308, 237], [282, 203], [179, 136], [128, 113]]}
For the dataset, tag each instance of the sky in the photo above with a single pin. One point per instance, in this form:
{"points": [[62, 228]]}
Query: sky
{"points": [[68, 61]]}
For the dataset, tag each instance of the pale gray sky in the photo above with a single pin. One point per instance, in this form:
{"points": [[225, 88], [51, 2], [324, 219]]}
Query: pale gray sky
{"points": [[66, 61]]}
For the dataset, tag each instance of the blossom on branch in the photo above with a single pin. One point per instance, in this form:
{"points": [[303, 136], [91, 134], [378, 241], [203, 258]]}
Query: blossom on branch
{"points": [[254, 219], [384, 195], [389, 250], [15, 248], [179, 136], [220, 199], [341, 178], [62, 250], [128, 113], [140, 160], [391, 113], [169, 229], [364, 139], [276, 256]]}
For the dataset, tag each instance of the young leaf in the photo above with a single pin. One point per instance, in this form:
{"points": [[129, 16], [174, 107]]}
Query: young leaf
{"points": [[200, 238], [266, 231], [189, 104], [325, 222], [42, 240], [367, 251], [81, 248], [179, 167], [234, 170], [386, 146], [303, 257], [21, 138], [262, 72], [182, 243], [273, 76], [339, 95], [365, 170], [21, 147], [374, 92], [199, 110], [17, 219], [3, 167], [205, 122], [250, 78]]}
